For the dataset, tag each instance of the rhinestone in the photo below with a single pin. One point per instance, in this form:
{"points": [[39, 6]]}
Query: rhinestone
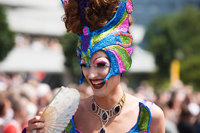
{"points": [[103, 130], [117, 109], [104, 116], [93, 107]]}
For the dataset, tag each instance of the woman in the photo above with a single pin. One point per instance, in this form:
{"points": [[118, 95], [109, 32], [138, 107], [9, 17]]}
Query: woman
{"points": [[104, 53]]}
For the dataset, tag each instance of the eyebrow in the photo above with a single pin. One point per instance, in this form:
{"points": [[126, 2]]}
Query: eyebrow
{"points": [[101, 57]]}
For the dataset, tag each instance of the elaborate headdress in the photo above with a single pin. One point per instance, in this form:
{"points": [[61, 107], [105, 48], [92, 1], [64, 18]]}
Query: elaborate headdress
{"points": [[113, 39]]}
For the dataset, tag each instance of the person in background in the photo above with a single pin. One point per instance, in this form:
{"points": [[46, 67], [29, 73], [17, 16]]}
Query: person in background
{"points": [[184, 125], [2, 112], [19, 106], [44, 94], [6, 111]]}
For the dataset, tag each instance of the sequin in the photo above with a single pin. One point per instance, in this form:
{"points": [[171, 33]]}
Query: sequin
{"points": [[129, 6], [68, 128], [144, 119]]}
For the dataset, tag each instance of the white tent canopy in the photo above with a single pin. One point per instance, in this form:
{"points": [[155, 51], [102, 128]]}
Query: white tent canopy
{"points": [[34, 3], [35, 17], [29, 60], [34, 21]]}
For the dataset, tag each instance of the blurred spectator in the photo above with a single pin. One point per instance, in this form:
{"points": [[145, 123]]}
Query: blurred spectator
{"points": [[45, 95], [85, 90], [38, 75], [5, 78], [37, 44], [3, 87], [175, 103], [170, 126], [6, 112], [2, 112], [163, 98], [124, 84], [55, 91], [197, 125], [22, 41], [184, 125], [55, 45], [19, 106], [17, 80], [30, 92], [145, 91]]}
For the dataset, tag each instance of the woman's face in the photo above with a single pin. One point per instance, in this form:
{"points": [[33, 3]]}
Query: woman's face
{"points": [[96, 73]]}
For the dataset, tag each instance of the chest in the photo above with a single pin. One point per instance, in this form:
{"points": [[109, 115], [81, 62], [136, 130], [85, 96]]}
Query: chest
{"points": [[129, 121], [91, 123]]}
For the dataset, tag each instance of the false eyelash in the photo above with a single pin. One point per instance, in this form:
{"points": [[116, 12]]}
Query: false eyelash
{"points": [[101, 65], [83, 65]]}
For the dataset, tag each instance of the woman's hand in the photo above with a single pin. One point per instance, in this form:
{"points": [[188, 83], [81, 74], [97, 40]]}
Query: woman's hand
{"points": [[36, 123]]}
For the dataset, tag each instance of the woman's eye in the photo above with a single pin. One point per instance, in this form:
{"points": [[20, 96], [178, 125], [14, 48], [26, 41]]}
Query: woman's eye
{"points": [[100, 64], [83, 65]]}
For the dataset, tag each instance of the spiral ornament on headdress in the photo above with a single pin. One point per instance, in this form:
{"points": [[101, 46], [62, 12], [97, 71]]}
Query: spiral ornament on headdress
{"points": [[113, 39]]}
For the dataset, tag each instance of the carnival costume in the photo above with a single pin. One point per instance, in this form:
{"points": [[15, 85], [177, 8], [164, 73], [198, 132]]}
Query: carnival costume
{"points": [[115, 41]]}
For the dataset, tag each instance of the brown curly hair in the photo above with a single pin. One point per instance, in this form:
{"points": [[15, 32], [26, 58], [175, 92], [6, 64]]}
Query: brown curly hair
{"points": [[98, 13]]}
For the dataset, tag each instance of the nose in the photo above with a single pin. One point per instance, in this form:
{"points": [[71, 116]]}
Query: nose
{"points": [[92, 73]]}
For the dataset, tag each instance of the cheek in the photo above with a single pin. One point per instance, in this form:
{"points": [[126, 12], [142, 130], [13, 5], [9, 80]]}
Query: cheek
{"points": [[104, 72], [85, 72]]}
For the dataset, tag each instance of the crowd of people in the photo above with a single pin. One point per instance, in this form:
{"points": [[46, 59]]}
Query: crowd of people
{"points": [[20, 100], [37, 43]]}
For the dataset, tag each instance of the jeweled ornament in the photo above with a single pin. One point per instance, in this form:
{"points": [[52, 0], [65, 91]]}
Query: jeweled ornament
{"points": [[93, 107], [105, 115], [117, 109], [103, 130]]}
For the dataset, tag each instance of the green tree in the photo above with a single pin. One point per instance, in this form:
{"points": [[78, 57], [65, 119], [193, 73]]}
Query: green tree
{"points": [[69, 43], [6, 35], [176, 37]]}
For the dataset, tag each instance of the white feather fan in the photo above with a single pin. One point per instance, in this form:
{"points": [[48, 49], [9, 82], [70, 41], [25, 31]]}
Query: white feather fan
{"points": [[58, 113]]}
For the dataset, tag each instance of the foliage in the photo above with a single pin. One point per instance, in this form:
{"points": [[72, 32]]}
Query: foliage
{"points": [[69, 43], [176, 37], [6, 35], [190, 71]]}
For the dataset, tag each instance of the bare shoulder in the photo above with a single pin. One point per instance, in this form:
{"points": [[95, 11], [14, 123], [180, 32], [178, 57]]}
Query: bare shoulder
{"points": [[157, 115], [157, 120]]}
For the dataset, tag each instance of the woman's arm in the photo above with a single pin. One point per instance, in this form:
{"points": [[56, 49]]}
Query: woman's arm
{"points": [[157, 120]]}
